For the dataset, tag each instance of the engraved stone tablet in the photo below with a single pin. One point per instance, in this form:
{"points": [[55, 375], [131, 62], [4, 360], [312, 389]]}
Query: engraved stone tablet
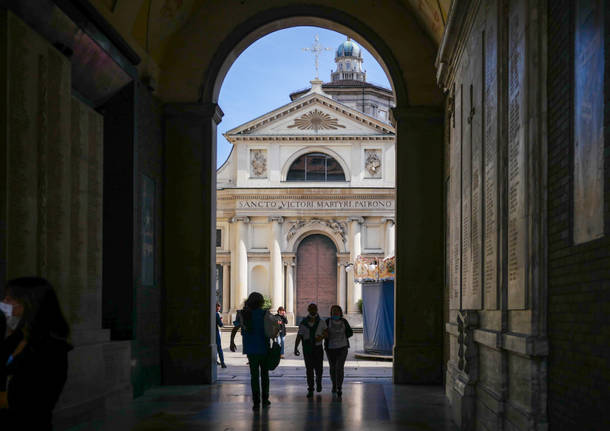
{"points": [[466, 195], [490, 279], [588, 121], [455, 203], [517, 175]]}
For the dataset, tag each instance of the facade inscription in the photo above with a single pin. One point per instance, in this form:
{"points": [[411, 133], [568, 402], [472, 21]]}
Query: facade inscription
{"points": [[296, 204]]}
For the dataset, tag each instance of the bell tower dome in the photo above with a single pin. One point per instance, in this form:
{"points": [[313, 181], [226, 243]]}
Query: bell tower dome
{"points": [[348, 58]]}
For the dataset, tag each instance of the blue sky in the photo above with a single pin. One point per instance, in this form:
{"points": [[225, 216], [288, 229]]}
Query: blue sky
{"points": [[274, 66]]}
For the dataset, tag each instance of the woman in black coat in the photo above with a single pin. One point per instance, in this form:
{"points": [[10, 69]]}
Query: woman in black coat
{"points": [[34, 356]]}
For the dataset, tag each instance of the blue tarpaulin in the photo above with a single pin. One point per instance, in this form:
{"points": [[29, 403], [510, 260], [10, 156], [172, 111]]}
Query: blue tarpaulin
{"points": [[378, 316]]}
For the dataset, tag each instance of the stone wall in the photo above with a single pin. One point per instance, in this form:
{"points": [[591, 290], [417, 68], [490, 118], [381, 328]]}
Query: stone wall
{"points": [[496, 372], [132, 258], [51, 201], [579, 290]]}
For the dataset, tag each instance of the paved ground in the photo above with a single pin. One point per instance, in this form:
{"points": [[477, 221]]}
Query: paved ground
{"points": [[293, 367]]}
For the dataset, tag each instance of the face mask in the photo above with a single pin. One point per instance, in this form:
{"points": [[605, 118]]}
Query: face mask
{"points": [[336, 317], [11, 321]]}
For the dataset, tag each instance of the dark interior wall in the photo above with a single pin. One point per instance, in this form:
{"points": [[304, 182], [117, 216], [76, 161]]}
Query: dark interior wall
{"points": [[132, 228], [579, 275]]}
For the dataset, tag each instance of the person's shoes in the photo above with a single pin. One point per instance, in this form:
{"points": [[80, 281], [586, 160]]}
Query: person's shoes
{"points": [[266, 403], [319, 388], [309, 393], [223, 365], [281, 356]]}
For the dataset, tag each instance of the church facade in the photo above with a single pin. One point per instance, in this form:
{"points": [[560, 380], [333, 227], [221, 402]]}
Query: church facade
{"points": [[306, 189]]}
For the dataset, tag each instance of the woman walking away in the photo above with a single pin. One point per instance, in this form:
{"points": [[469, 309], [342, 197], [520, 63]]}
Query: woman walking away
{"points": [[34, 356], [255, 345], [312, 331], [336, 345], [219, 324], [282, 320]]}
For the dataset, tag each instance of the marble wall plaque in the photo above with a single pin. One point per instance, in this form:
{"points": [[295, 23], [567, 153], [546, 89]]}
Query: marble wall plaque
{"points": [[455, 203], [490, 121], [517, 172], [588, 120], [466, 193], [472, 294]]}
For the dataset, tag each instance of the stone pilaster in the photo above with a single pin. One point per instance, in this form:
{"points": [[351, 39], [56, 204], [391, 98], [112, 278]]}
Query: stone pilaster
{"points": [[354, 290], [290, 290], [189, 345], [226, 288], [390, 237]]}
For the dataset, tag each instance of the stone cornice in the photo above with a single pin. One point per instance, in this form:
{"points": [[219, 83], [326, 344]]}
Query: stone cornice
{"points": [[312, 138], [459, 23], [234, 197]]}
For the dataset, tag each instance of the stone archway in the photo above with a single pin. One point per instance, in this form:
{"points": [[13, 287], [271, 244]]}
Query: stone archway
{"points": [[316, 275], [190, 167]]}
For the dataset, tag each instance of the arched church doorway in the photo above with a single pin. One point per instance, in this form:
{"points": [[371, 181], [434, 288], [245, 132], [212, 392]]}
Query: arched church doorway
{"points": [[316, 275]]}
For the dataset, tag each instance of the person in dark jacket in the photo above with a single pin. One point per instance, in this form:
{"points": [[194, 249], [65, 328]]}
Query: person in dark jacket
{"points": [[34, 356], [282, 320], [336, 345], [312, 330], [255, 344], [219, 325]]}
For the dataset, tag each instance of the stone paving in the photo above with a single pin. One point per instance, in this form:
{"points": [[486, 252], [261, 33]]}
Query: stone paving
{"points": [[293, 367]]}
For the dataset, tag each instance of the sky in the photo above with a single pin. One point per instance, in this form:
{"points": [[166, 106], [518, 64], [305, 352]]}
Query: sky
{"points": [[264, 75]]}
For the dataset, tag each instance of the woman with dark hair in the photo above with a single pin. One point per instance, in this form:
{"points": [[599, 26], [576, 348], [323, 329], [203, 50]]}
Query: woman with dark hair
{"points": [[255, 345], [336, 346], [34, 356]]}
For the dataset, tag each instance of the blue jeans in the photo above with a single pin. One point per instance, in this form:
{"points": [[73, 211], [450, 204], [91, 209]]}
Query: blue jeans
{"points": [[280, 341], [219, 348]]}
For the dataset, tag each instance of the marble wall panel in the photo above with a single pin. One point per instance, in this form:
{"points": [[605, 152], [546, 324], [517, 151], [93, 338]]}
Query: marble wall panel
{"points": [[466, 192], [490, 130], [517, 150], [588, 120], [455, 202]]}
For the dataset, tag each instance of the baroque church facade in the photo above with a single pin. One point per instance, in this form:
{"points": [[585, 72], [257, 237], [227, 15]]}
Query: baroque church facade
{"points": [[307, 188]]}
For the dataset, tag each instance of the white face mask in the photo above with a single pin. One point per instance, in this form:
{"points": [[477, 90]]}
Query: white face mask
{"points": [[11, 321]]}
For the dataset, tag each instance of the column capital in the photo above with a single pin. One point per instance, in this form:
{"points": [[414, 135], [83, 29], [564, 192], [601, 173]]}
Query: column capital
{"points": [[244, 219], [278, 219], [388, 219], [194, 112], [356, 218]]}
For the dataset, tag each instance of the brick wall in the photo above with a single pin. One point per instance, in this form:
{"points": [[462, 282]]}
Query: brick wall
{"points": [[579, 275]]}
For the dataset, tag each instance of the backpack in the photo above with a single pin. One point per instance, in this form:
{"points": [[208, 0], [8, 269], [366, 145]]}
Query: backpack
{"points": [[272, 328]]}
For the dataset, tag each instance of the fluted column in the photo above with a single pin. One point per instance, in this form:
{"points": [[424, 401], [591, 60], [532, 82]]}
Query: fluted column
{"points": [[241, 260], [341, 291], [290, 291], [277, 288], [226, 288], [390, 238], [354, 290]]}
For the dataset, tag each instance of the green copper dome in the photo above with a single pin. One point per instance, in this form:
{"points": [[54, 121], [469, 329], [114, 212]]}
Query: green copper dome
{"points": [[348, 49]]}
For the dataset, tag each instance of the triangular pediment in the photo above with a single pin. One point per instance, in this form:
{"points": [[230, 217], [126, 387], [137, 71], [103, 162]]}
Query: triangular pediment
{"points": [[312, 115]]}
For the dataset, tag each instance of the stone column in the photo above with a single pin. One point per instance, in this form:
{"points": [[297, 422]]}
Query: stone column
{"points": [[290, 291], [390, 239], [418, 326], [226, 288], [354, 290], [189, 340], [241, 260], [277, 288], [341, 291]]}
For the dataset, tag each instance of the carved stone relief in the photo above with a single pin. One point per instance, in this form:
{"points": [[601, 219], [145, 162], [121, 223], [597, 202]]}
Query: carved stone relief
{"points": [[258, 163], [337, 227], [316, 120], [372, 163]]}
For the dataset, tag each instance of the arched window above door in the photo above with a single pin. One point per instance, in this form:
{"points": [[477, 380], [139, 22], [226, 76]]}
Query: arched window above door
{"points": [[315, 167]]}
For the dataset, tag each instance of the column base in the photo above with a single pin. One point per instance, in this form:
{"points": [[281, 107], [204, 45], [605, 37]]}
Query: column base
{"points": [[417, 364], [189, 364], [354, 319]]}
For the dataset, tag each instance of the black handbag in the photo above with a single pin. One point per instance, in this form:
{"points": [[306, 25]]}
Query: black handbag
{"points": [[273, 356]]}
